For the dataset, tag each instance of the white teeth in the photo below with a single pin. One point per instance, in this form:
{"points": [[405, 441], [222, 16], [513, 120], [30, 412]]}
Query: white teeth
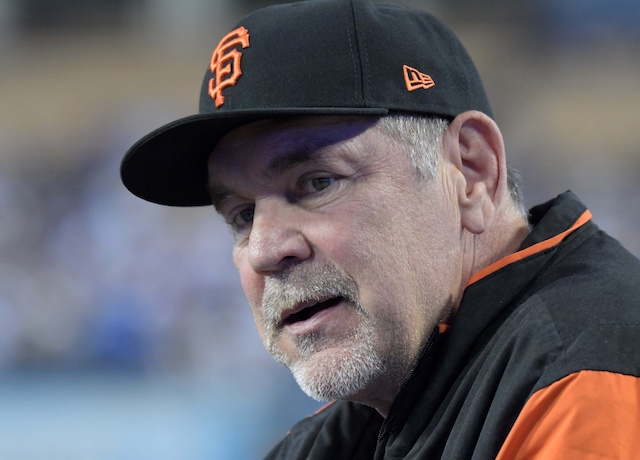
{"points": [[304, 305], [311, 303]]}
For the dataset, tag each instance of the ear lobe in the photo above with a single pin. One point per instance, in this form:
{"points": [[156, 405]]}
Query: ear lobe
{"points": [[479, 155]]}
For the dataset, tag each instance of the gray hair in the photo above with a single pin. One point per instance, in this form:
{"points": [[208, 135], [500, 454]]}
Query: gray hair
{"points": [[424, 136]]}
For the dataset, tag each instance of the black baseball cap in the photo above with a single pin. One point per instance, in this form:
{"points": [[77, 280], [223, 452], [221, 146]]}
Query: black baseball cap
{"points": [[314, 57]]}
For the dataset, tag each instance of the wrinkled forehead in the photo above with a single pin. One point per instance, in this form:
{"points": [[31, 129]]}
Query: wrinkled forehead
{"points": [[286, 138]]}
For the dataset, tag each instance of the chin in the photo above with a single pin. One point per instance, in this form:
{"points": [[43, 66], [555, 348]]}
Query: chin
{"points": [[333, 374]]}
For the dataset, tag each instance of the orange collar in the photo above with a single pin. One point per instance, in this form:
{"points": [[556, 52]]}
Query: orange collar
{"points": [[529, 251]]}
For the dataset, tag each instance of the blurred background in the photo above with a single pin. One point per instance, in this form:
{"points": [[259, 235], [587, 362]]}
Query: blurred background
{"points": [[123, 330]]}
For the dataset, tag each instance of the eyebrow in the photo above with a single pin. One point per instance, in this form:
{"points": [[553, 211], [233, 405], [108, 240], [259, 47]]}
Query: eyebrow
{"points": [[292, 153], [291, 156], [219, 195]]}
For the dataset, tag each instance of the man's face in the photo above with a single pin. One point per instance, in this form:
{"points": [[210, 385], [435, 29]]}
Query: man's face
{"points": [[347, 258]]}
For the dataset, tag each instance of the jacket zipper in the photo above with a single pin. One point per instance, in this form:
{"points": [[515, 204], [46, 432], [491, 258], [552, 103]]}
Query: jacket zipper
{"points": [[425, 350]]}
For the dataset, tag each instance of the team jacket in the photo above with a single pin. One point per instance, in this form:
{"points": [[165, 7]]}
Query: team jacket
{"points": [[542, 361]]}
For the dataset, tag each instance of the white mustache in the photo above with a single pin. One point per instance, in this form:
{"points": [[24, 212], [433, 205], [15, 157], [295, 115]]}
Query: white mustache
{"points": [[301, 284]]}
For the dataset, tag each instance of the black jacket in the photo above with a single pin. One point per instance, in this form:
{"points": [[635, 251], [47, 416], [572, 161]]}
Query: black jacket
{"points": [[541, 361]]}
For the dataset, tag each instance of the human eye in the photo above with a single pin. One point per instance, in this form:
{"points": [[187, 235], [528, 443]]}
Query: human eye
{"points": [[240, 218], [315, 183]]}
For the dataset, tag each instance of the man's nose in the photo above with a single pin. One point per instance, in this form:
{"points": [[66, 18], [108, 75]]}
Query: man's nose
{"points": [[276, 240]]}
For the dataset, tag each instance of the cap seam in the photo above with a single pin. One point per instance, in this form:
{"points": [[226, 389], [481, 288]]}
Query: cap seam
{"points": [[362, 55], [460, 61], [354, 51]]}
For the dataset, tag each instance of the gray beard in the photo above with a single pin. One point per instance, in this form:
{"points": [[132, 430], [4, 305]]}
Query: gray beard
{"points": [[325, 370], [341, 372]]}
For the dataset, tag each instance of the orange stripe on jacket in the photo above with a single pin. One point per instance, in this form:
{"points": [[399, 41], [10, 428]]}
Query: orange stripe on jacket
{"points": [[526, 252], [586, 415]]}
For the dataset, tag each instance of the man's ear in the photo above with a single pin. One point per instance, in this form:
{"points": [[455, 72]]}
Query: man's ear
{"points": [[475, 148]]}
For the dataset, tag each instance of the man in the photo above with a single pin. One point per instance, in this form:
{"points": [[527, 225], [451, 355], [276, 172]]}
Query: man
{"points": [[383, 247]]}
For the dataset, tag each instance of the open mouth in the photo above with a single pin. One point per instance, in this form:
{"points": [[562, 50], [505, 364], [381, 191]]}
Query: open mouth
{"points": [[307, 312]]}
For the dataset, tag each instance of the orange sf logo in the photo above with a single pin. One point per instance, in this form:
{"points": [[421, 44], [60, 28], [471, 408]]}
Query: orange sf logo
{"points": [[225, 63]]}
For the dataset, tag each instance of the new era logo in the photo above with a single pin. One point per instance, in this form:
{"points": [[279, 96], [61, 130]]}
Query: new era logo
{"points": [[414, 79]]}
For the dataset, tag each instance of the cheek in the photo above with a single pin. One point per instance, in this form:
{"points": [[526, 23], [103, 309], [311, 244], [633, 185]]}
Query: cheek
{"points": [[250, 281], [253, 288]]}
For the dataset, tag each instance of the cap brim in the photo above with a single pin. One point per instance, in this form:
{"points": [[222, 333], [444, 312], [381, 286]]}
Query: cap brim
{"points": [[169, 165]]}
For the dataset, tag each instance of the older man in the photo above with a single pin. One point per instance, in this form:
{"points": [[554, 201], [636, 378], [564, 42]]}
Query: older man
{"points": [[383, 247]]}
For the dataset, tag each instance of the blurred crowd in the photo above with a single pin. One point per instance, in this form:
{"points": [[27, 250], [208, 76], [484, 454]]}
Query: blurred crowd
{"points": [[95, 280]]}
